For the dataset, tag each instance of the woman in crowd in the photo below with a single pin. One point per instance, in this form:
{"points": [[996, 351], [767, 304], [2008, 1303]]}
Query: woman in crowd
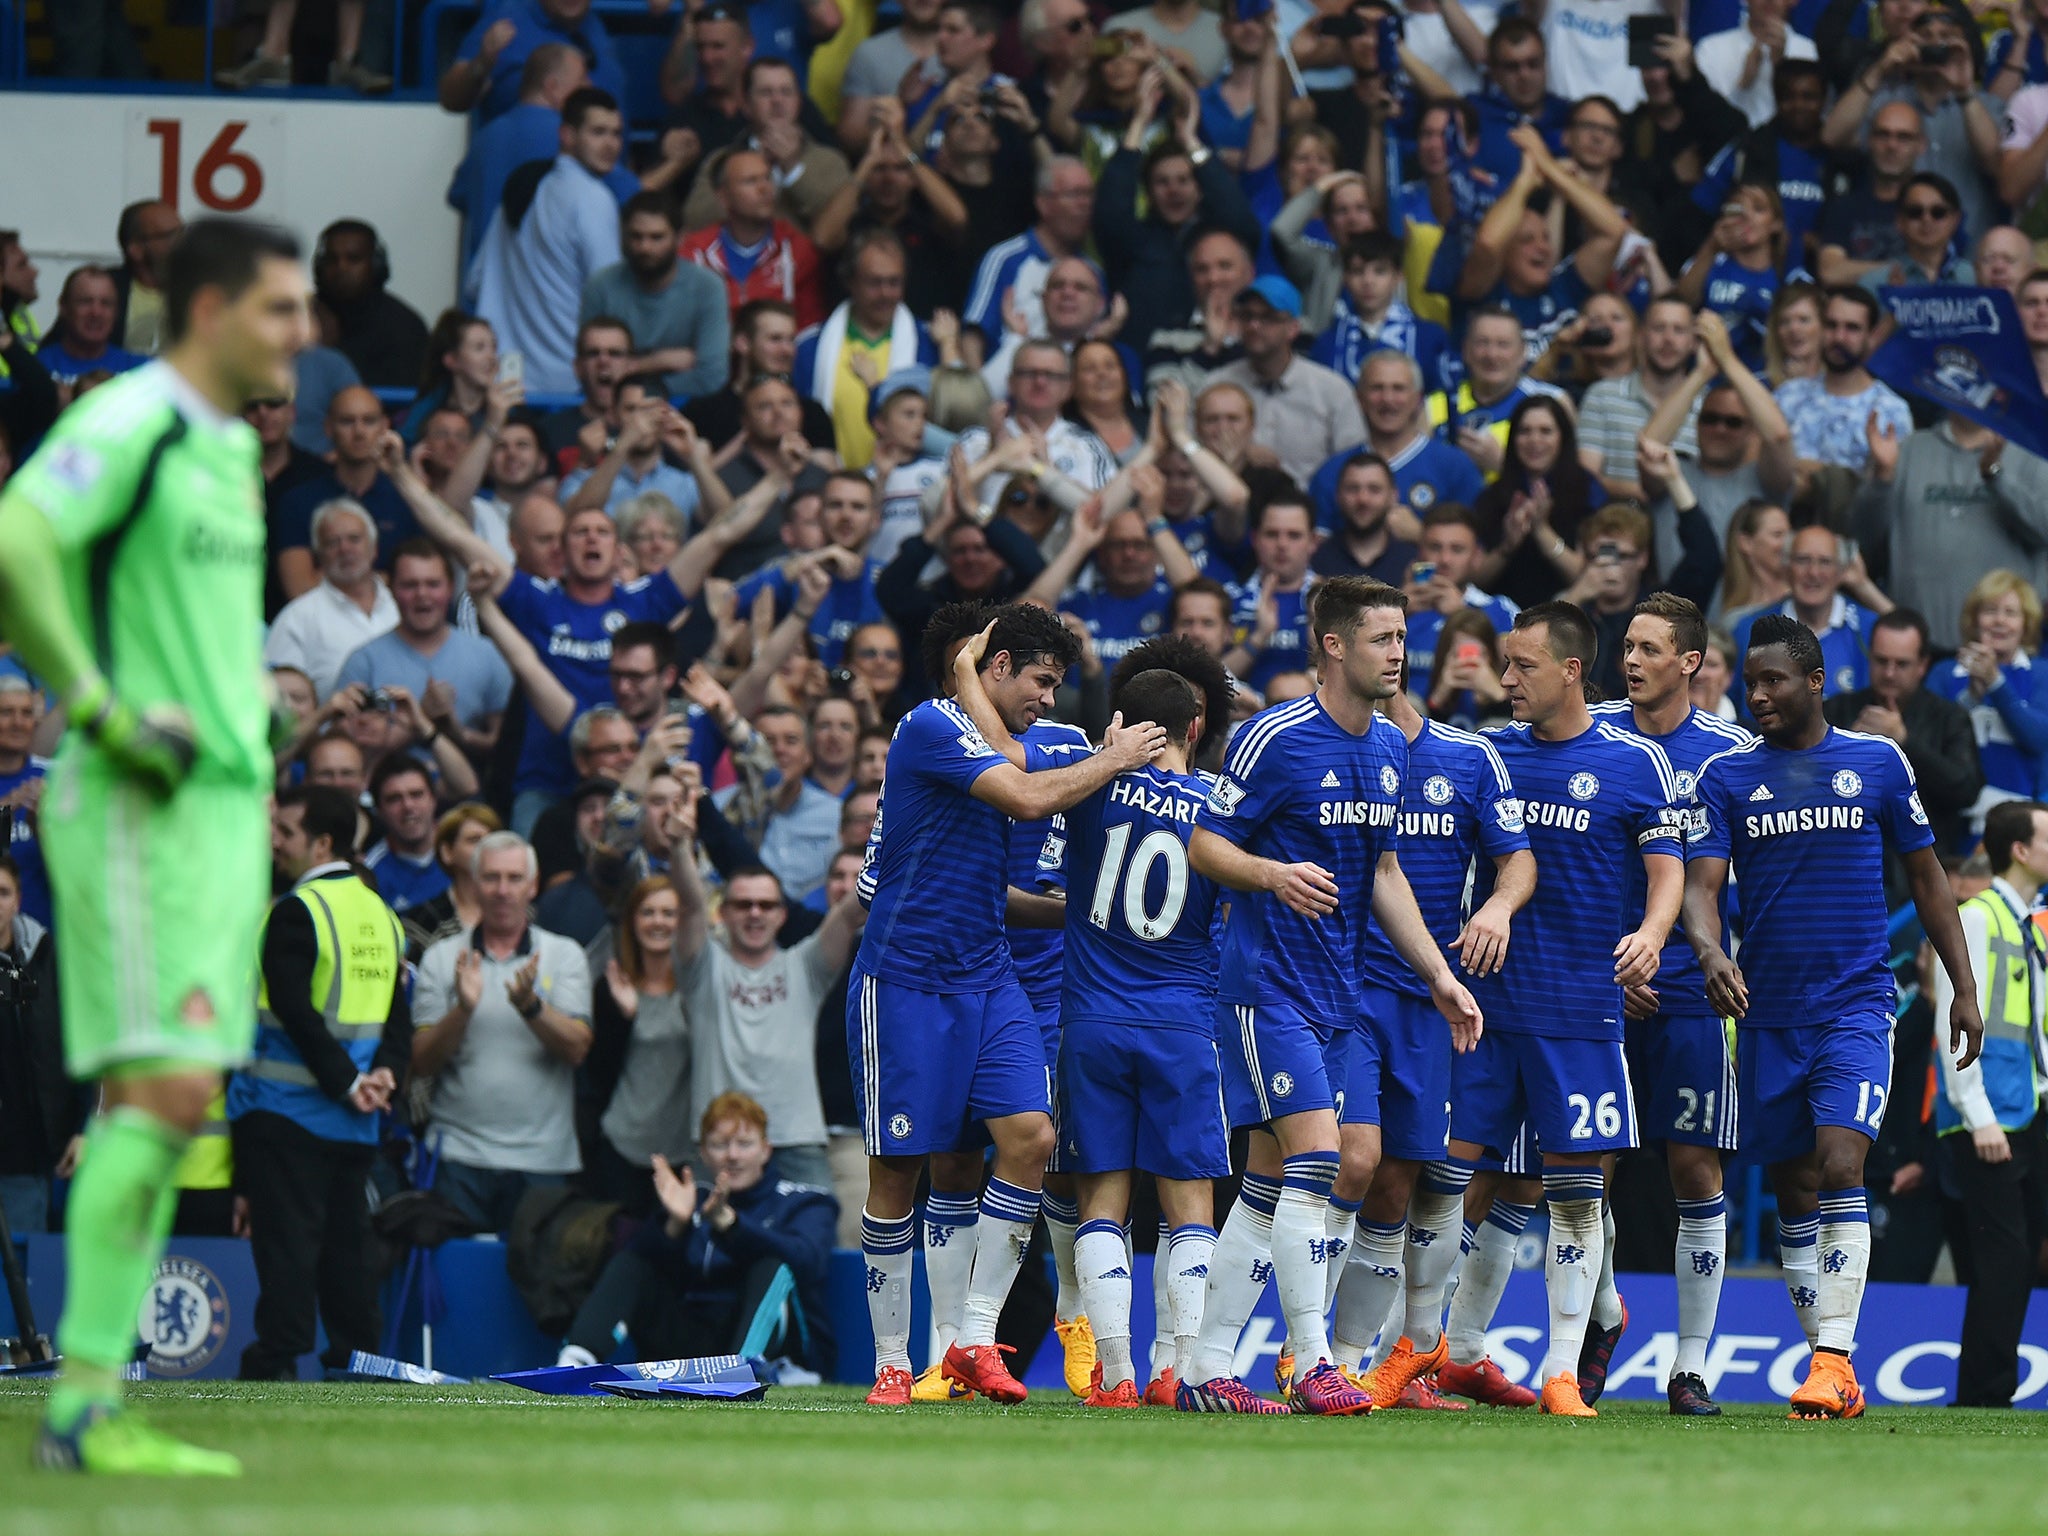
{"points": [[456, 835], [1717, 674], [1792, 344], [638, 1070], [650, 532], [1740, 267], [462, 364], [1530, 515], [1465, 688], [1756, 574], [1102, 400], [1999, 678]]}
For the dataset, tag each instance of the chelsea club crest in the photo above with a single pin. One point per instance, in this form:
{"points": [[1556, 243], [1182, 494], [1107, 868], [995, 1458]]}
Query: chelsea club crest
{"points": [[184, 1317]]}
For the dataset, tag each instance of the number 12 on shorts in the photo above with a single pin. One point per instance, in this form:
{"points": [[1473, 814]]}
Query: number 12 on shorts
{"points": [[1870, 1099]]}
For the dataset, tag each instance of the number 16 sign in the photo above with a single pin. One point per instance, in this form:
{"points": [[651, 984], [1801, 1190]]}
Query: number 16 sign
{"points": [[208, 159]]}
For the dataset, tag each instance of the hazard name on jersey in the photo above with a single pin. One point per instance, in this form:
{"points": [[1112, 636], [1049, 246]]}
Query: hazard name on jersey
{"points": [[1131, 791]]}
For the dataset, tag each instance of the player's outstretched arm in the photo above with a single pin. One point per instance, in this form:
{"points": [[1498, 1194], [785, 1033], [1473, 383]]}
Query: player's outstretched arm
{"points": [[1636, 957], [1937, 906], [1025, 796], [155, 747], [1701, 904], [1308, 889], [440, 522], [1483, 945], [1393, 904]]}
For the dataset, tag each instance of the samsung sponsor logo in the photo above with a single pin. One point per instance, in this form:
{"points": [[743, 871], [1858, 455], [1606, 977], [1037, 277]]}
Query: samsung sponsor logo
{"points": [[1356, 813], [1813, 818]]}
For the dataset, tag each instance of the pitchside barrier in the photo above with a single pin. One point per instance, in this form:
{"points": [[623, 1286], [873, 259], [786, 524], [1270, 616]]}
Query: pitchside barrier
{"points": [[197, 1320]]}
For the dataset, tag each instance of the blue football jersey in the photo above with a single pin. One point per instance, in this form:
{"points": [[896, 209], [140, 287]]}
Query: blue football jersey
{"points": [[1119, 625], [1457, 796], [1037, 850], [1806, 834], [1138, 945], [935, 878], [1680, 985], [1288, 649], [1593, 806], [1297, 787]]}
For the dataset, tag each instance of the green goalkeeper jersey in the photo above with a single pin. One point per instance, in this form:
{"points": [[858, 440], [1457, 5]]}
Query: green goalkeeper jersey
{"points": [[156, 500]]}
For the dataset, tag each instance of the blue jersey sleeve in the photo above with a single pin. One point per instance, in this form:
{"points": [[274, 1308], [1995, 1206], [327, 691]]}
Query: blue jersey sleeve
{"points": [[1711, 832], [525, 602], [1499, 818], [1240, 801], [943, 745], [1901, 813], [1658, 821]]}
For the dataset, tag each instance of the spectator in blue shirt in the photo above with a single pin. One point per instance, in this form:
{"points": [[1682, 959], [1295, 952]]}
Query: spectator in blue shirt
{"points": [[82, 339], [1270, 612], [529, 131], [1999, 677], [1744, 260], [1840, 619], [356, 423], [490, 62], [648, 427], [1512, 262], [402, 862]]}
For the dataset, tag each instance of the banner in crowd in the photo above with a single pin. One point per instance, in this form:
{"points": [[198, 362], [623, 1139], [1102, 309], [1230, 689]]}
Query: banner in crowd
{"points": [[1963, 349]]}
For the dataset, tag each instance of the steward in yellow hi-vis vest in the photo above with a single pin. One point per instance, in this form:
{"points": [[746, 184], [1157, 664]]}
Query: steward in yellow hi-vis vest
{"points": [[333, 1036]]}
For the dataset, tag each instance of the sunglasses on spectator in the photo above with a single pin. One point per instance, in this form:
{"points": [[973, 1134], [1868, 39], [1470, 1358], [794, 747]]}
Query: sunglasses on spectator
{"points": [[1925, 211], [769, 905], [1722, 419], [270, 403], [1040, 375], [876, 653]]}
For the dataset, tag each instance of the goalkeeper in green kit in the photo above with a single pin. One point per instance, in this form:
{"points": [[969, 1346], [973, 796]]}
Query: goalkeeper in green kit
{"points": [[131, 579]]}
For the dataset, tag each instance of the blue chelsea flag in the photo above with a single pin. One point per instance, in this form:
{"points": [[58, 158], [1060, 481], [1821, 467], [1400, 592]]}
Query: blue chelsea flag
{"points": [[1963, 349]]}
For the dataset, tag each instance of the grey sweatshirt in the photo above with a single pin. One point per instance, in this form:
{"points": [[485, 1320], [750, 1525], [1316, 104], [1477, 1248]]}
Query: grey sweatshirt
{"points": [[1940, 525]]}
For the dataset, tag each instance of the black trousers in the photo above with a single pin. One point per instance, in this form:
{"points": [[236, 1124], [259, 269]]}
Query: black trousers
{"points": [[309, 1229], [2001, 1205]]}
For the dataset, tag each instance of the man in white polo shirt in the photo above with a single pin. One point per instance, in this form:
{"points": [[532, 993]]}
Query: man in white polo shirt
{"points": [[350, 607]]}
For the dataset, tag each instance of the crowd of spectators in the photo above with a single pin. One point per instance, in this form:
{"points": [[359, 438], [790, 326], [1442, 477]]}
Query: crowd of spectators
{"points": [[1153, 318]]}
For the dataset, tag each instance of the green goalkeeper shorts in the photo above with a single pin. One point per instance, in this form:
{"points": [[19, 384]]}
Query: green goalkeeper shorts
{"points": [[159, 906]]}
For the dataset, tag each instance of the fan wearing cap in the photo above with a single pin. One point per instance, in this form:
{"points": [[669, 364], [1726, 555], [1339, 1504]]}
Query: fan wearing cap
{"points": [[903, 469], [1303, 411]]}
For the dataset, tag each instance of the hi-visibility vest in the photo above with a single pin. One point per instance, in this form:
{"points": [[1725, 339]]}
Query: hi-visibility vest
{"points": [[2012, 962], [360, 950], [23, 324], [1438, 410], [209, 1160]]}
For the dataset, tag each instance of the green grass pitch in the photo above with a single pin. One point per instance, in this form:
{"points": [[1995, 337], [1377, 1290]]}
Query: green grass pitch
{"points": [[373, 1460]]}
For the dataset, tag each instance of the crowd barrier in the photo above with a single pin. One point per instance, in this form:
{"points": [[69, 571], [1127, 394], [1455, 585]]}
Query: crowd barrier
{"points": [[198, 1318]]}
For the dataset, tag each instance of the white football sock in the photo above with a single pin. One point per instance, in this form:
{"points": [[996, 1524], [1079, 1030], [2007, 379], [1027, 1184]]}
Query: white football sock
{"points": [[1799, 1258], [1844, 1265], [1372, 1281], [1435, 1212], [1300, 1253], [1606, 1299], [1062, 1218], [1484, 1278], [1103, 1267], [1340, 1226], [1238, 1271], [1191, 1250], [1008, 1214], [1163, 1347], [1572, 1263], [885, 1243], [948, 1233], [1701, 1256]]}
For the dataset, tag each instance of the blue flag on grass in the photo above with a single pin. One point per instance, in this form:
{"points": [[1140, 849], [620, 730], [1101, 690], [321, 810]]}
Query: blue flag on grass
{"points": [[1963, 349]]}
